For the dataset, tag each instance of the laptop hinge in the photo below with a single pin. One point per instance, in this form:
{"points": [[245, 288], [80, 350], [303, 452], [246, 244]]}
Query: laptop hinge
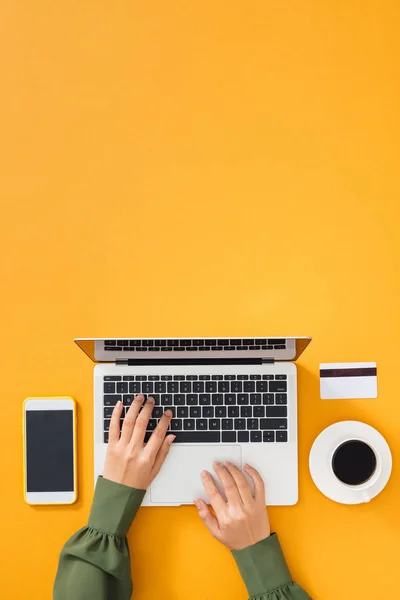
{"points": [[144, 362]]}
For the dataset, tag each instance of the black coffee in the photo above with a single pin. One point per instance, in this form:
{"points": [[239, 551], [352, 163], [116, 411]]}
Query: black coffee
{"points": [[354, 462]]}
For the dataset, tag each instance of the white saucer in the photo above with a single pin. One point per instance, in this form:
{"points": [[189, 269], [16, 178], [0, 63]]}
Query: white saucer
{"points": [[320, 462]]}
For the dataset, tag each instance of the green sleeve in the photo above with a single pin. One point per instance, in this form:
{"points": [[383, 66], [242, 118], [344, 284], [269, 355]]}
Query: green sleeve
{"points": [[94, 563], [265, 572]]}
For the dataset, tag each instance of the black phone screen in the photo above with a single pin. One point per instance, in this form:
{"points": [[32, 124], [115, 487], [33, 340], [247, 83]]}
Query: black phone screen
{"points": [[49, 450]]}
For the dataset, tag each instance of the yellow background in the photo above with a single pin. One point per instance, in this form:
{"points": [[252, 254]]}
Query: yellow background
{"points": [[200, 168]]}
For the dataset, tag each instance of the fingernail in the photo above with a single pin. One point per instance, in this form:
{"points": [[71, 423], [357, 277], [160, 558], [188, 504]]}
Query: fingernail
{"points": [[171, 439], [118, 404], [228, 464], [196, 503], [168, 413], [150, 400], [204, 474], [247, 466], [217, 463]]}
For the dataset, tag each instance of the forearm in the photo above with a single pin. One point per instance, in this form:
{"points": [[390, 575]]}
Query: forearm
{"points": [[94, 563], [265, 572]]}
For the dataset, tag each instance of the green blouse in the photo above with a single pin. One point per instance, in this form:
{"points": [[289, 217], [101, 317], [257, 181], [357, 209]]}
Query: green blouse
{"points": [[95, 563]]}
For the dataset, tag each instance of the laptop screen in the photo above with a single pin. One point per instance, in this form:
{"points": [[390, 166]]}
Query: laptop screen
{"points": [[113, 349]]}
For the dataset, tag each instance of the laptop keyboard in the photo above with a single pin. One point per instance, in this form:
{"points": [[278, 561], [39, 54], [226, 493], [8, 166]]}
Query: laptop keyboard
{"points": [[194, 345], [207, 408]]}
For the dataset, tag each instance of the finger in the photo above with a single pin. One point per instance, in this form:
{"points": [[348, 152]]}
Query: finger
{"points": [[162, 454], [229, 484], [216, 500], [158, 436], [142, 421], [241, 482], [115, 423], [259, 488], [130, 419], [207, 517]]}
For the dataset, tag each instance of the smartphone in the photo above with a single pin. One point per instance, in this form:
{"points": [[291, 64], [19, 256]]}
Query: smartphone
{"points": [[49, 431]]}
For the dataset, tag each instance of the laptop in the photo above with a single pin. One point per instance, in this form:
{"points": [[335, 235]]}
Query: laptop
{"points": [[232, 399]]}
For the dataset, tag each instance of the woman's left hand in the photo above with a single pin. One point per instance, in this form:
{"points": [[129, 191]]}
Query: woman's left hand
{"points": [[129, 460]]}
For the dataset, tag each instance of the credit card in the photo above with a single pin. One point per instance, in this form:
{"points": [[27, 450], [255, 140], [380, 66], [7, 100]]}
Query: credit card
{"points": [[348, 380]]}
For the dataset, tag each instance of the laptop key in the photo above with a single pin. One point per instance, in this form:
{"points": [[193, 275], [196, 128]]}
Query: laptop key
{"points": [[242, 398], [217, 399], [220, 411], [107, 424], [204, 399], [109, 387], [182, 412], [196, 437], [277, 386], [195, 412], [269, 436], [236, 387], [259, 411], [111, 400], [106, 437], [268, 399], [179, 378], [152, 424], [147, 387], [281, 398], [108, 411], [189, 424], [240, 423], [255, 436], [128, 399], [267, 377], [172, 387], [254, 377], [229, 436], [243, 436], [211, 387], [160, 387], [227, 423], [246, 411], [233, 411], [262, 386], [276, 411], [192, 399], [230, 377], [198, 387], [280, 377], [214, 424], [158, 412], [179, 400], [255, 398], [273, 423], [204, 377], [281, 436], [201, 424], [223, 387], [134, 387], [249, 386], [176, 424], [208, 412], [185, 387], [217, 377], [122, 387], [192, 377], [229, 399], [166, 399], [252, 424], [112, 377]]}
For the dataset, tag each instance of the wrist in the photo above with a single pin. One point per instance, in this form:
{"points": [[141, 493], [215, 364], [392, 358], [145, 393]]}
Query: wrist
{"points": [[263, 566], [114, 507]]}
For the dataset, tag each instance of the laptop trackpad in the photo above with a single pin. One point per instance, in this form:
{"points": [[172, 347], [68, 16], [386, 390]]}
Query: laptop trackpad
{"points": [[179, 480]]}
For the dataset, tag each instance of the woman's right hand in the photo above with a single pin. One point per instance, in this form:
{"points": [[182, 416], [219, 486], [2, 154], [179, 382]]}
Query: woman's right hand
{"points": [[242, 520]]}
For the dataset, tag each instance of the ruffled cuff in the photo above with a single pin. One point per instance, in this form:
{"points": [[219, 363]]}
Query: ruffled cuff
{"points": [[114, 507], [263, 566]]}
